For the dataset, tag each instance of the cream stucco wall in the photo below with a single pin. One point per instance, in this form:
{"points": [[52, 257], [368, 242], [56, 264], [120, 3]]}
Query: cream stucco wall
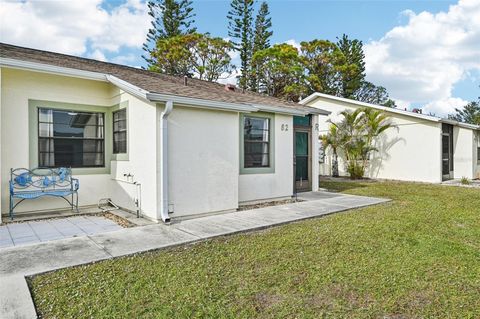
{"points": [[411, 151], [203, 150], [141, 159], [203, 157], [279, 184], [18, 87]]}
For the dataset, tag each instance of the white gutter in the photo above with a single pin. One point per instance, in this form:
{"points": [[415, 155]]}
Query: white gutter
{"points": [[461, 124], [209, 104], [280, 110], [47, 68], [164, 161]]}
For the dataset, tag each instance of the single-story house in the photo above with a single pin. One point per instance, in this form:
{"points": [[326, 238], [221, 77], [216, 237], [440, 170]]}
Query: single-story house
{"points": [[172, 146], [420, 147]]}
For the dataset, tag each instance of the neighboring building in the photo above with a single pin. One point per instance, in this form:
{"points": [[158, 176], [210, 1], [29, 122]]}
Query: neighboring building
{"points": [[194, 146], [420, 148]]}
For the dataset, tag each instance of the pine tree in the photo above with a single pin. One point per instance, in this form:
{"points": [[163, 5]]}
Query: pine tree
{"points": [[170, 18], [261, 39], [240, 19], [353, 71]]}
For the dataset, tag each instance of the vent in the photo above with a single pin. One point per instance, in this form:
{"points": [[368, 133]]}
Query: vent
{"points": [[230, 87]]}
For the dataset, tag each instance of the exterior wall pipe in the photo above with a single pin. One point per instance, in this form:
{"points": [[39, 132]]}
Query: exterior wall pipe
{"points": [[164, 161]]}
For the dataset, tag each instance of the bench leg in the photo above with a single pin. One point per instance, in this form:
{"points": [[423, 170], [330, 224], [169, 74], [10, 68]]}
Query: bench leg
{"points": [[11, 208], [76, 202]]}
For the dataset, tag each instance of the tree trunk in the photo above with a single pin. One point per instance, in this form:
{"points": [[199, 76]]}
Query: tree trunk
{"points": [[335, 164]]}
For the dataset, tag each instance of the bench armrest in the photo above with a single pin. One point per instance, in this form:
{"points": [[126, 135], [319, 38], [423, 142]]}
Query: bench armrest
{"points": [[75, 184]]}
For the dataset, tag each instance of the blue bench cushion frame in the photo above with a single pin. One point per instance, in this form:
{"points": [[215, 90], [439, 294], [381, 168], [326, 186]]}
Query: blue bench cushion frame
{"points": [[39, 182]]}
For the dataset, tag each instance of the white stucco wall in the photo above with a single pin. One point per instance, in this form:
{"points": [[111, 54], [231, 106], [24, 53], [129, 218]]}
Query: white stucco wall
{"points": [[203, 157], [464, 159], [411, 151], [142, 158], [253, 187]]}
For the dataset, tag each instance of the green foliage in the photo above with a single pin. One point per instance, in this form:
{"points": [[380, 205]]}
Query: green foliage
{"points": [[279, 71], [240, 19], [333, 140], [170, 18], [355, 135], [414, 257], [352, 71], [465, 181], [370, 93], [322, 60], [192, 55], [339, 69], [261, 40], [469, 114]]}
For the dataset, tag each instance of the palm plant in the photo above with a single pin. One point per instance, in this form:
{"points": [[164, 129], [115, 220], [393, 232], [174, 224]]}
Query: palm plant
{"points": [[355, 136], [334, 140]]}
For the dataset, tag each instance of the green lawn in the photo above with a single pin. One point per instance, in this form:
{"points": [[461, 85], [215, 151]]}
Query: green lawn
{"points": [[415, 257]]}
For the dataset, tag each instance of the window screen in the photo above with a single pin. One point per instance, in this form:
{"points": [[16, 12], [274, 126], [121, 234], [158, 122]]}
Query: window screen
{"points": [[120, 131], [256, 140], [70, 138]]}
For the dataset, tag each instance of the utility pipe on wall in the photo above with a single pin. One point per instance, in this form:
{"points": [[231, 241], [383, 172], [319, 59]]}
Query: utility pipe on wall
{"points": [[164, 161]]}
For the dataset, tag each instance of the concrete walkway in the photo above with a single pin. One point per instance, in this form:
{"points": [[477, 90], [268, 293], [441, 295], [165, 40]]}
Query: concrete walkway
{"points": [[18, 262]]}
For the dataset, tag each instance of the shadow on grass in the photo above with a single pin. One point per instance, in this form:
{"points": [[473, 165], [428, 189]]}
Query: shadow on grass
{"points": [[342, 184]]}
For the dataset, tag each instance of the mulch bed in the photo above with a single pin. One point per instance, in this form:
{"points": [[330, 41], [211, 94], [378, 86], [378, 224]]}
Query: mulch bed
{"points": [[267, 204]]}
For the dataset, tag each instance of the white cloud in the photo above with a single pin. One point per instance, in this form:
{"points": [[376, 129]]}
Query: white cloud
{"points": [[421, 62], [443, 107], [293, 43], [97, 55], [72, 27]]}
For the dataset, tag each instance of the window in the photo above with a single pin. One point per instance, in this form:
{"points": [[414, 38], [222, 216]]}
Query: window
{"points": [[478, 155], [256, 142], [70, 138], [302, 121], [120, 131]]}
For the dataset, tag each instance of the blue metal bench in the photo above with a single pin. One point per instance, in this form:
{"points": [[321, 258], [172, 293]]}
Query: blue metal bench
{"points": [[38, 182]]}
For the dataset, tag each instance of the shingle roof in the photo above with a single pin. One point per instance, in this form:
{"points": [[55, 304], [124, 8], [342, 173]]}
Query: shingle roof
{"points": [[150, 81]]}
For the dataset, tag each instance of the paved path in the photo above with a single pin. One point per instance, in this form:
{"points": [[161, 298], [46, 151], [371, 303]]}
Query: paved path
{"points": [[18, 262], [34, 232]]}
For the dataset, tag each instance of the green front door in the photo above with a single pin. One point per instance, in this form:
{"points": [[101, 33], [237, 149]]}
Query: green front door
{"points": [[302, 160]]}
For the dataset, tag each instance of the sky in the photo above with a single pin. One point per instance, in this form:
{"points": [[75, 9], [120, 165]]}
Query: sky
{"points": [[426, 52]]}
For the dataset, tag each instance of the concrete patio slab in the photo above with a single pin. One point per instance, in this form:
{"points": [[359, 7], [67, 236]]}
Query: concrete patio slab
{"points": [[20, 261], [34, 232]]}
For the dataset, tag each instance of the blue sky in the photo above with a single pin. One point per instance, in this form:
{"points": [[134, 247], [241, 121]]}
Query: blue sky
{"points": [[412, 47]]}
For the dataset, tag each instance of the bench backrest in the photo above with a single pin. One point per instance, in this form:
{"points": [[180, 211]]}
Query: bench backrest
{"points": [[40, 179]]}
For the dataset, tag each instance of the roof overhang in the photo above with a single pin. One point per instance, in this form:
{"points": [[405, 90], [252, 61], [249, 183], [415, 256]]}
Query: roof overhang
{"points": [[153, 97], [209, 104], [316, 95], [47, 68]]}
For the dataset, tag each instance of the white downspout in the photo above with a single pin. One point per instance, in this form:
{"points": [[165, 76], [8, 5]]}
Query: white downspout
{"points": [[164, 161]]}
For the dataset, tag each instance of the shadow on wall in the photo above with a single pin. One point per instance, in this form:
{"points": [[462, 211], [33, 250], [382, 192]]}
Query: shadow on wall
{"points": [[384, 145], [376, 163]]}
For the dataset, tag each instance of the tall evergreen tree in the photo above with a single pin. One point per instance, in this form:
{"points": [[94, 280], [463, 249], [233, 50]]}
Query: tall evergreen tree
{"points": [[352, 72], [240, 19], [469, 114], [261, 39], [170, 18]]}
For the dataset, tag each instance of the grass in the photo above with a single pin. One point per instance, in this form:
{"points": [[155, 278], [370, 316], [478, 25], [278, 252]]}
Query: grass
{"points": [[415, 257]]}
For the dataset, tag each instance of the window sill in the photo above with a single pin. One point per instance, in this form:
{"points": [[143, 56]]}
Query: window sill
{"points": [[257, 170], [120, 157]]}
